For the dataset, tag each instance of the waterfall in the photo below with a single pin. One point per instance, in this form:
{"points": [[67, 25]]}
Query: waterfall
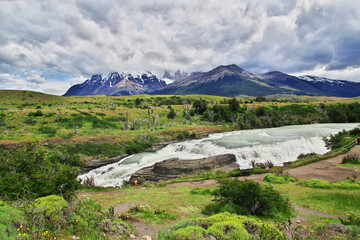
{"points": [[277, 145]]}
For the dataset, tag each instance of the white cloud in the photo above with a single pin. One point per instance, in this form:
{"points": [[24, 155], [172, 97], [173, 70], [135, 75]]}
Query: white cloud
{"points": [[85, 37]]}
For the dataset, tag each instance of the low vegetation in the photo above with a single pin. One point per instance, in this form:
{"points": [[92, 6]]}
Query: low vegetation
{"points": [[248, 198], [45, 140]]}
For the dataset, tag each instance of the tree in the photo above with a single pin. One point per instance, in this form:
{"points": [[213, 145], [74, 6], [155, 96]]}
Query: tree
{"points": [[171, 114], [200, 106], [234, 105]]}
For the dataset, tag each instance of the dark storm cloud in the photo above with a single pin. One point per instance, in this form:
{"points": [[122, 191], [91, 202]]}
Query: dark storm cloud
{"points": [[85, 36]]}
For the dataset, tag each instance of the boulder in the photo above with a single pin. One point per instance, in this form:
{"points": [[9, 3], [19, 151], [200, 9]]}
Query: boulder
{"points": [[174, 168], [96, 163]]}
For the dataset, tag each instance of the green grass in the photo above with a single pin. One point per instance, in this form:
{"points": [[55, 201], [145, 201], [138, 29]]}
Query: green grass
{"points": [[332, 201], [172, 200]]}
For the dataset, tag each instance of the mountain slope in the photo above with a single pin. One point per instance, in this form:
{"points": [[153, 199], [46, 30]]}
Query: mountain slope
{"points": [[340, 88], [228, 80]]}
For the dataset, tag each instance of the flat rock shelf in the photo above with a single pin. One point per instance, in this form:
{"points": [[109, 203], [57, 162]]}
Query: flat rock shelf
{"points": [[174, 168]]}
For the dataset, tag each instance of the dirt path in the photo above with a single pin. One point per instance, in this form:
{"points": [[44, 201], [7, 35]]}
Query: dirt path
{"points": [[326, 169]]}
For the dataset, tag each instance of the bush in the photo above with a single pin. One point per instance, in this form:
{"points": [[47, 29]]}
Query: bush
{"points": [[171, 114], [28, 173], [351, 158], [316, 183], [201, 191], [255, 198], [222, 226], [228, 230], [272, 178], [215, 208], [38, 113], [51, 204], [347, 184], [353, 218], [236, 223], [190, 233], [47, 130], [10, 220]]}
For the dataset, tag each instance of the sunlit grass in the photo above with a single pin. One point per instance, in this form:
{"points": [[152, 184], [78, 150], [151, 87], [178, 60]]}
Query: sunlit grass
{"points": [[172, 200], [333, 201]]}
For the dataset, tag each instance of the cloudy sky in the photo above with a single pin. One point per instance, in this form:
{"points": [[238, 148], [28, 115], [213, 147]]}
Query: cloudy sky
{"points": [[50, 45]]}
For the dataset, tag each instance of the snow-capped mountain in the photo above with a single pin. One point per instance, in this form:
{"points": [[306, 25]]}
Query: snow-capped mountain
{"points": [[116, 84], [340, 88]]}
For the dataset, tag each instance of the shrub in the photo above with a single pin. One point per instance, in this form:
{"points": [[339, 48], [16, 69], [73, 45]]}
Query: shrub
{"points": [[51, 204], [171, 114], [47, 130], [201, 191], [351, 158], [38, 113], [28, 173], [215, 208], [254, 229], [255, 198], [272, 178], [353, 218], [151, 214], [347, 184], [228, 230], [10, 220], [316, 183], [97, 123], [190, 233], [100, 114], [30, 121]]}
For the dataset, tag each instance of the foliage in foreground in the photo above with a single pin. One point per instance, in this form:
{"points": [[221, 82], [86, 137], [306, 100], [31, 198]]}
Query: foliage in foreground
{"points": [[249, 197], [223, 226], [52, 217], [33, 172]]}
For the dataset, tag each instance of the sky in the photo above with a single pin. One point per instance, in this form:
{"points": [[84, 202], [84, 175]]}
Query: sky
{"points": [[49, 45]]}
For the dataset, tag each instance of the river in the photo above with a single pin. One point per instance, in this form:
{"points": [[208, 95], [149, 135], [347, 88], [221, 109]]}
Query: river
{"points": [[277, 145]]}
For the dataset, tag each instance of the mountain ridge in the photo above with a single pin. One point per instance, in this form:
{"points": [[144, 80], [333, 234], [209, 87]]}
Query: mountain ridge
{"points": [[225, 80]]}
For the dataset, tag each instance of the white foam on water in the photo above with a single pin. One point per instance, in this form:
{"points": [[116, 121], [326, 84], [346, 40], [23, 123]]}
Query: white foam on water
{"points": [[277, 145]]}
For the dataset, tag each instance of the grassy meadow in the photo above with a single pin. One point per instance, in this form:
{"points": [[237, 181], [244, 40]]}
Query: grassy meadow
{"points": [[45, 139]]}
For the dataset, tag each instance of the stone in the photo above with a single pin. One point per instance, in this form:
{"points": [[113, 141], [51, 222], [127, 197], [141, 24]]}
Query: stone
{"points": [[174, 168], [338, 228], [211, 237]]}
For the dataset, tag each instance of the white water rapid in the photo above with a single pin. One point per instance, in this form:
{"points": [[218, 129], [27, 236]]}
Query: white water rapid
{"points": [[277, 145]]}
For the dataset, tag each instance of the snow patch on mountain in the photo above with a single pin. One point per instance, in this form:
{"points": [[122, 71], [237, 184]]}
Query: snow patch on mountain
{"points": [[317, 79]]}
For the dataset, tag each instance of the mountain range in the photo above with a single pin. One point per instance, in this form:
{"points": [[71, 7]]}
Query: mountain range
{"points": [[230, 80], [116, 84]]}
